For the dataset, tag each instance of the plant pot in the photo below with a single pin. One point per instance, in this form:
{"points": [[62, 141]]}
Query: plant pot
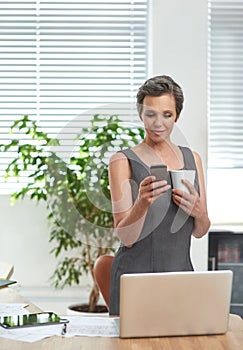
{"points": [[82, 309]]}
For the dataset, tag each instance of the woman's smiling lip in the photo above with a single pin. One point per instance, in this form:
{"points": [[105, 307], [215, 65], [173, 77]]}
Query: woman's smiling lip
{"points": [[158, 132]]}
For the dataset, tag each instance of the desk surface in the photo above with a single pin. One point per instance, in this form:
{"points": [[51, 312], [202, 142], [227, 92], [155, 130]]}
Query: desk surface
{"points": [[232, 340]]}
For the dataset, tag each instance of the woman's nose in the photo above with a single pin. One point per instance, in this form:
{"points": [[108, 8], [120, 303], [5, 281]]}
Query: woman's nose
{"points": [[158, 121]]}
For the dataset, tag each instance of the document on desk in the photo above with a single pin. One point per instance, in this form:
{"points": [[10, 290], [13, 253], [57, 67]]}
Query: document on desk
{"points": [[77, 326], [92, 326], [7, 309]]}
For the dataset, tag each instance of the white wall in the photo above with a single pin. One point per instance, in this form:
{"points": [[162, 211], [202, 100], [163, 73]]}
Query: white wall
{"points": [[177, 47]]}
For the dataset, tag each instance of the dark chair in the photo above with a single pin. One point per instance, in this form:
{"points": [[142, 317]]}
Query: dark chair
{"points": [[102, 269]]}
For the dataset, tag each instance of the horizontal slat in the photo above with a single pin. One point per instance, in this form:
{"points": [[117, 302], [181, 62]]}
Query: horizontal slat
{"points": [[63, 61], [225, 84]]}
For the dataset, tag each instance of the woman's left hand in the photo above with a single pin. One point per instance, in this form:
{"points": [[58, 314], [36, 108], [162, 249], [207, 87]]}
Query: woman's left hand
{"points": [[190, 203]]}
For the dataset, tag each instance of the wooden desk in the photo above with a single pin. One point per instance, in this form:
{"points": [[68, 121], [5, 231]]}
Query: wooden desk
{"points": [[232, 340]]}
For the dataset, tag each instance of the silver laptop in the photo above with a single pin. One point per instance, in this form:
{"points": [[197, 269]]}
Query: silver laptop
{"points": [[175, 303]]}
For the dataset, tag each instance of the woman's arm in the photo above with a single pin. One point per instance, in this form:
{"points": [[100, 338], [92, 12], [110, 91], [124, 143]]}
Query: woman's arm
{"points": [[128, 217], [193, 204], [201, 219]]}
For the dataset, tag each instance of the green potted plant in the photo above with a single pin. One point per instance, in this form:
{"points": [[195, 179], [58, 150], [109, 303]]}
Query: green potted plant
{"points": [[76, 190]]}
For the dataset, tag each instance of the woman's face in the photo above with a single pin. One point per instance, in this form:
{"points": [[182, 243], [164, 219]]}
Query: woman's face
{"points": [[159, 116]]}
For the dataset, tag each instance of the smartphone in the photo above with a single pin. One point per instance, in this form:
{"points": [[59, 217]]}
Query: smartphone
{"points": [[30, 320], [159, 171]]}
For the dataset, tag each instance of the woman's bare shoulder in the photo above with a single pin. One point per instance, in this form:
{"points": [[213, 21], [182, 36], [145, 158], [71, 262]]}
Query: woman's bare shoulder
{"points": [[197, 158], [118, 156], [119, 163], [119, 171]]}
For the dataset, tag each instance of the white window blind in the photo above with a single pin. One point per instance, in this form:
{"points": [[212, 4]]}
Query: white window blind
{"points": [[58, 59], [225, 84]]}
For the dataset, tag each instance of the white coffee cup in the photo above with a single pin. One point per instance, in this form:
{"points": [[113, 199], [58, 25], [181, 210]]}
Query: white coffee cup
{"points": [[178, 175]]}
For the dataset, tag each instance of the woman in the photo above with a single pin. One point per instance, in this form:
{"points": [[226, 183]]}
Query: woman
{"points": [[153, 221]]}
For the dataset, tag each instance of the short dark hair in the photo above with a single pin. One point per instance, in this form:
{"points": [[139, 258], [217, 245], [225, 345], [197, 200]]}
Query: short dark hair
{"points": [[158, 86]]}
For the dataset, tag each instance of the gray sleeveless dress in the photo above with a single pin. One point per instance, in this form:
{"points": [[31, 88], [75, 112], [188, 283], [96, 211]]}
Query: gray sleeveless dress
{"points": [[165, 239]]}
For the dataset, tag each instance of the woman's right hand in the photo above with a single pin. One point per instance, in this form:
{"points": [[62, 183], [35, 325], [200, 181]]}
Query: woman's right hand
{"points": [[129, 216], [150, 189]]}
